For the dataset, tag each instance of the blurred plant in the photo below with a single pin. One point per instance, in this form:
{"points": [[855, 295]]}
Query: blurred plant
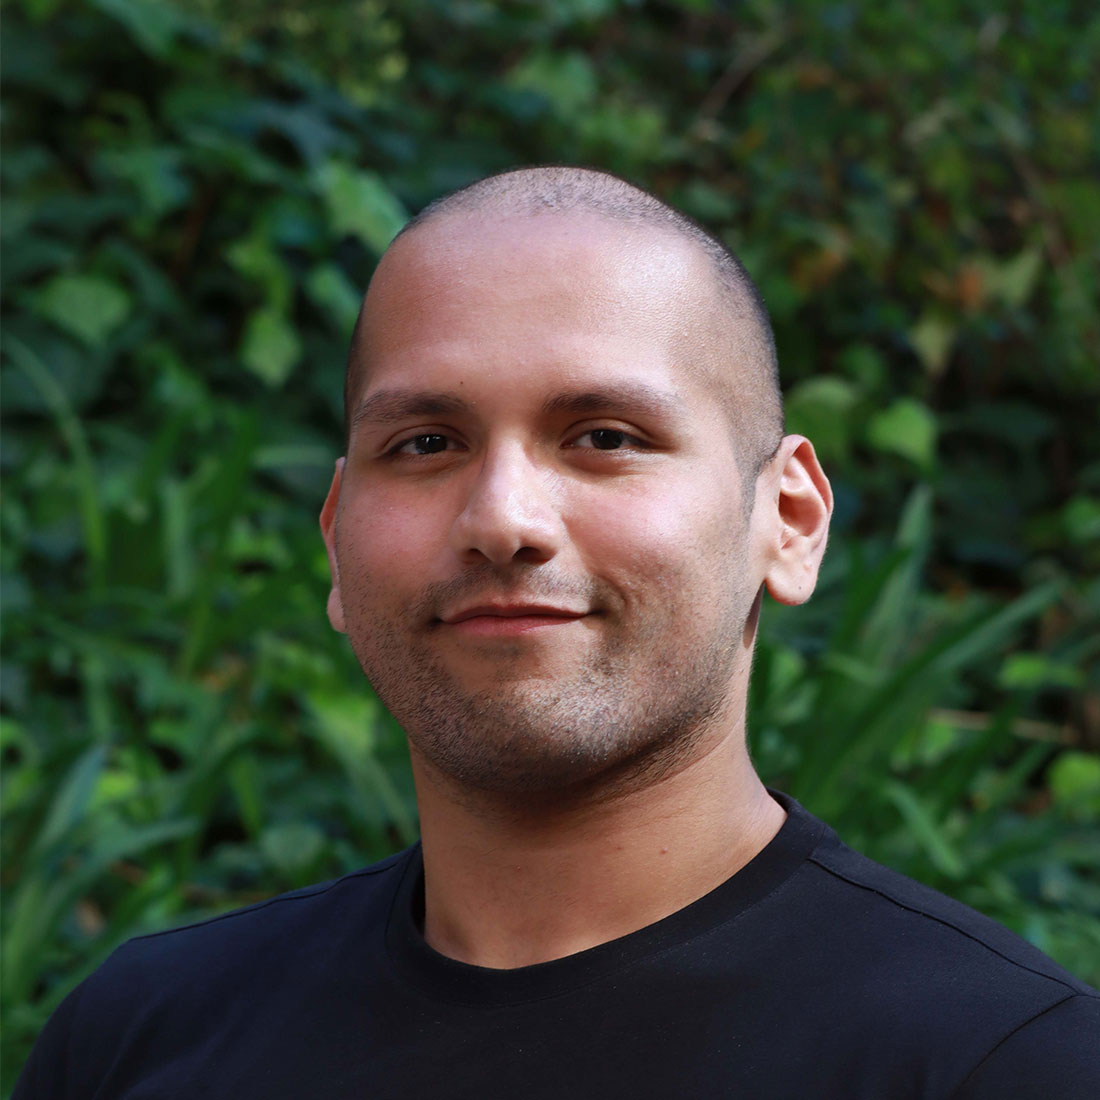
{"points": [[193, 200]]}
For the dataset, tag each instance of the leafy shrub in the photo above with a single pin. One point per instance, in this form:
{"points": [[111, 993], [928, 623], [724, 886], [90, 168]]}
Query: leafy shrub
{"points": [[190, 214]]}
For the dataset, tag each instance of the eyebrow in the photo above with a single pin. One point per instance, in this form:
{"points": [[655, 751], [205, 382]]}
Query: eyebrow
{"points": [[392, 406], [631, 397]]}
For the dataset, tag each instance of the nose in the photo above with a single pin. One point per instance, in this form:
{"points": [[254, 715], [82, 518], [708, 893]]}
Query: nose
{"points": [[511, 511]]}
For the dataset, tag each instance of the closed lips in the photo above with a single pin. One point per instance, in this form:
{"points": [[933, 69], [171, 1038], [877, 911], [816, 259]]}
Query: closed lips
{"points": [[513, 611]]}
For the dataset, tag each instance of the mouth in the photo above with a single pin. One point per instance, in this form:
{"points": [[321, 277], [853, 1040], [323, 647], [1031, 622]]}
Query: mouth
{"points": [[508, 620]]}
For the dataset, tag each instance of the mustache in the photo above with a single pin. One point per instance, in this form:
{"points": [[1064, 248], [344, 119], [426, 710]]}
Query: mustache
{"points": [[491, 583]]}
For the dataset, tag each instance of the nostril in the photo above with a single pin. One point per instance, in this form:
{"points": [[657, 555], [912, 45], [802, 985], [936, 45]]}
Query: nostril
{"points": [[531, 555], [511, 512]]}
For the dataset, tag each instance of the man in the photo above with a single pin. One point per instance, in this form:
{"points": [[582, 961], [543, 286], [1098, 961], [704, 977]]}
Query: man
{"points": [[565, 489]]}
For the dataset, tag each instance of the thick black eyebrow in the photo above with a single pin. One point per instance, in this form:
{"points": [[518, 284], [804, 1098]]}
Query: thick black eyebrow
{"points": [[391, 406], [629, 398]]}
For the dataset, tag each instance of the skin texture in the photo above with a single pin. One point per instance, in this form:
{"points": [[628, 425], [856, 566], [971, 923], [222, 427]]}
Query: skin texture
{"points": [[548, 563]]}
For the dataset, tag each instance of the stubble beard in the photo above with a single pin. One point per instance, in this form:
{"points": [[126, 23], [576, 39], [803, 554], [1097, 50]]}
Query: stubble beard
{"points": [[634, 711]]}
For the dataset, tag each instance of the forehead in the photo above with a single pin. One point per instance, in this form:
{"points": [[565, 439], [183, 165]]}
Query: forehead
{"points": [[618, 262], [506, 292]]}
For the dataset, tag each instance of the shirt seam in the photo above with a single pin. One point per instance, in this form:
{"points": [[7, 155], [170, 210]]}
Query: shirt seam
{"points": [[945, 922], [1005, 1038]]}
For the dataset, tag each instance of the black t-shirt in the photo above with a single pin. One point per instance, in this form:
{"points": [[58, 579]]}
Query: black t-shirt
{"points": [[811, 973]]}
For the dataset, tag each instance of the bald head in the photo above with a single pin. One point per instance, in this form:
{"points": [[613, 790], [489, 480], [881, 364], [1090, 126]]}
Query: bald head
{"points": [[724, 319]]}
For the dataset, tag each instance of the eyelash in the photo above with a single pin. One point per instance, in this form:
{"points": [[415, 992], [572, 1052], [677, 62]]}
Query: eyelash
{"points": [[398, 449], [629, 442]]}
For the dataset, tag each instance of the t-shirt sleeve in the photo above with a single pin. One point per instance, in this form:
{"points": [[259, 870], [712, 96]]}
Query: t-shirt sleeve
{"points": [[1056, 1053], [45, 1074]]}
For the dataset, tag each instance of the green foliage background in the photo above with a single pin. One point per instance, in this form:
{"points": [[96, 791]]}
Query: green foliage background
{"points": [[194, 198]]}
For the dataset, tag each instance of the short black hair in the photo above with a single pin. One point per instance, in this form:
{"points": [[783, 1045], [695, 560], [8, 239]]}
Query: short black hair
{"points": [[561, 189]]}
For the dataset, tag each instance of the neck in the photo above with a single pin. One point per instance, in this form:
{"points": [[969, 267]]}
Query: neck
{"points": [[510, 887]]}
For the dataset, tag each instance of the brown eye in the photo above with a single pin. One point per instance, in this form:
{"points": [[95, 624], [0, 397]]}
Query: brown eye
{"points": [[429, 444], [607, 439]]}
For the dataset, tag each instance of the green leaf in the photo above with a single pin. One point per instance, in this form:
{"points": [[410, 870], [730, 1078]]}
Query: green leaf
{"points": [[906, 428], [255, 258], [360, 205], [72, 431], [71, 800], [40, 9], [292, 848], [346, 725], [1033, 670], [866, 365], [822, 409], [152, 24], [345, 722], [155, 172], [933, 337], [331, 289], [925, 830], [1075, 781], [243, 775], [567, 80], [89, 307], [270, 347], [1081, 519], [1016, 278], [1076, 201], [887, 624]]}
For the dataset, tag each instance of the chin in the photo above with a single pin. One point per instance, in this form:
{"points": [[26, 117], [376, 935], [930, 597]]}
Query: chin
{"points": [[510, 750]]}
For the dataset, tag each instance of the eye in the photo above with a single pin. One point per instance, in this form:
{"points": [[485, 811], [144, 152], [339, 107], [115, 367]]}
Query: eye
{"points": [[429, 443], [607, 439]]}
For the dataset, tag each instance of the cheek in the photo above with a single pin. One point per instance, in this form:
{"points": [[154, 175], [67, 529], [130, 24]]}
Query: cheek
{"points": [[655, 545], [381, 544]]}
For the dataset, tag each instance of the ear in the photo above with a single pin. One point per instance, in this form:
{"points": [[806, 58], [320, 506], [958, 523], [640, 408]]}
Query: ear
{"points": [[800, 502], [328, 532]]}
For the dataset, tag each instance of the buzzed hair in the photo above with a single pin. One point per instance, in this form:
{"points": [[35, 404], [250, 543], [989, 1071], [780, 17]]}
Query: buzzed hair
{"points": [[529, 192]]}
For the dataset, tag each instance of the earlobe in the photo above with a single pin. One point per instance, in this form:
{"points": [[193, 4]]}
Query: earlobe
{"points": [[803, 505], [328, 533]]}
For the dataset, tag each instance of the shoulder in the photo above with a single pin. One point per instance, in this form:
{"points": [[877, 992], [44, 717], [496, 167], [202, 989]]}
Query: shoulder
{"points": [[155, 985], [1055, 1053], [307, 908], [930, 929], [933, 974], [213, 953]]}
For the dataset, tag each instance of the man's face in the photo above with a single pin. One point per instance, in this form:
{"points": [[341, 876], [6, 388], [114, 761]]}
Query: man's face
{"points": [[542, 554]]}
